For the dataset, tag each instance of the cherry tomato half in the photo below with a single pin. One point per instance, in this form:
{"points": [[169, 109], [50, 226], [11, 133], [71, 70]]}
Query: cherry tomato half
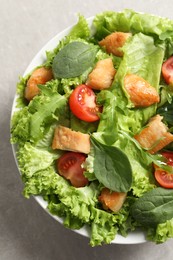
{"points": [[164, 178], [83, 105], [169, 157], [69, 166], [167, 71]]}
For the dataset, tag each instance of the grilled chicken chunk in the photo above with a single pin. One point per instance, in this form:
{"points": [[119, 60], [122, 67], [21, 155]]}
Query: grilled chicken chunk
{"points": [[112, 200], [114, 42], [68, 140], [155, 135], [39, 76], [102, 75], [141, 93]]}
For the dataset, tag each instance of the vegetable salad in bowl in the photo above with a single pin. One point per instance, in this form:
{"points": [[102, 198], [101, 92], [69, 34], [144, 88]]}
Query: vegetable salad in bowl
{"points": [[92, 127]]}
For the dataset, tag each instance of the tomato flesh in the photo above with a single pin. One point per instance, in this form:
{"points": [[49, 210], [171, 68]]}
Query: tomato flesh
{"points": [[164, 178], [169, 157], [69, 166], [83, 105], [167, 71]]}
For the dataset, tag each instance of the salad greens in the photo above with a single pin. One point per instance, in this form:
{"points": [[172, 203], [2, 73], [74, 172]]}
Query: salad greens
{"points": [[154, 207], [74, 59], [112, 167], [116, 159]]}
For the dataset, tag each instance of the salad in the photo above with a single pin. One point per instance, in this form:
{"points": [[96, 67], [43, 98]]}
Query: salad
{"points": [[93, 127]]}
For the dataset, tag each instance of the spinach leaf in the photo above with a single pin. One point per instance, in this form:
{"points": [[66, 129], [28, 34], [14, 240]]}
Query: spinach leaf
{"points": [[166, 112], [74, 59], [111, 167], [153, 207]]}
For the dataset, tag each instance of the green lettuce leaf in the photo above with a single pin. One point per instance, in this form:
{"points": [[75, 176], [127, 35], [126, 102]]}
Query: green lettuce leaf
{"points": [[33, 121], [39, 181], [86, 197], [20, 126], [161, 233], [43, 180], [142, 57], [55, 104], [82, 126], [32, 159], [21, 101], [69, 221], [129, 20], [103, 229], [140, 162], [81, 29], [108, 125]]}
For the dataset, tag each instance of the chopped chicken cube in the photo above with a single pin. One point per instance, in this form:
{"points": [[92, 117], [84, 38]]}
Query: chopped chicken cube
{"points": [[68, 140], [141, 93], [39, 76], [155, 135], [102, 75], [112, 200], [114, 42]]}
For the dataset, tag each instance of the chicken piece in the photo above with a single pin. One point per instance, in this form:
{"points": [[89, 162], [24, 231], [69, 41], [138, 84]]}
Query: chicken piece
{"points": [[39, 76], [68, 140], [114, 42], [155, 135], [141, 93], [102, 75], [112, 200]]}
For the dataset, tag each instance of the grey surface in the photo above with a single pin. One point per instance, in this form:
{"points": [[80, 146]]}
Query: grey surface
{"points": [[26, 231]]}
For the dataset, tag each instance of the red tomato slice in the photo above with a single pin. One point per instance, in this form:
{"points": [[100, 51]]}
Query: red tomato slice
{"points": [[164, 178], [69, 166], [169, 157], [83, 105], [167, 71]]}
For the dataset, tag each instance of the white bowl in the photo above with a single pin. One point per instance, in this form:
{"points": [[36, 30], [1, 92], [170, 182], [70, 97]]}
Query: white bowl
{"points": [[135, 237]]}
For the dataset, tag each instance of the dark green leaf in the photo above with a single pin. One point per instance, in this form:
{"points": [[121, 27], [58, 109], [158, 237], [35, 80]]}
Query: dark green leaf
{"points": [[74, 59], [166, 112], [154, 207], [112, 167]]}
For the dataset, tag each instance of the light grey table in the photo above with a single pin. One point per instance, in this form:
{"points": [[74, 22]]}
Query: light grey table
{"points": [[26, 231]]}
